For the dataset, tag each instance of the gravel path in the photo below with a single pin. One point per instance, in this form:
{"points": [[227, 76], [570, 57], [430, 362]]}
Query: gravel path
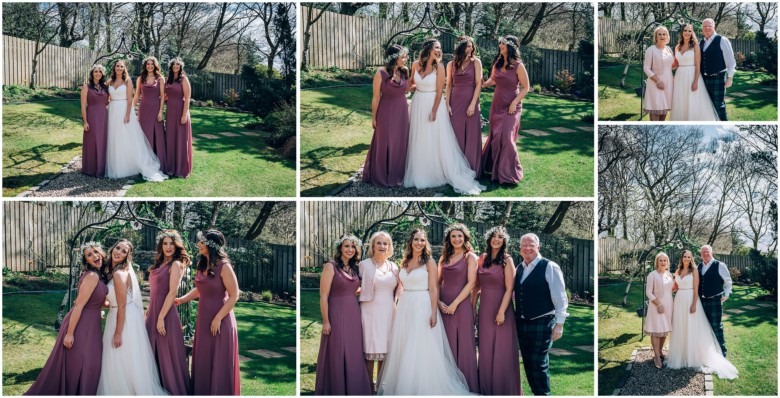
{"points": [[358, 188], [74, 184], [645, 379]]}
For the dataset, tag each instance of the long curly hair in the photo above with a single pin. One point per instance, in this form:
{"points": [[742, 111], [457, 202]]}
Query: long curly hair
{"points": [[113, 71], [691, 265], [390, 65], [157, 71], [409, 251], [449, 249], [425, 55], [180, 254], [501, 255], [512, 53], [460, 51], [211, 238], [352, 262], [692, 43], [105, 265], [178, 78], [101, 82]]}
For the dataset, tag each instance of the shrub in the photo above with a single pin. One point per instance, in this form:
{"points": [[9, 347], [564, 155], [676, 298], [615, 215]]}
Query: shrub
{"points": [[267, 295], [263, 95], [736, 274], [538, 88], [740, 58], [231, 97], [210, 103], [564, 81], [764, 271], [280, 124]]}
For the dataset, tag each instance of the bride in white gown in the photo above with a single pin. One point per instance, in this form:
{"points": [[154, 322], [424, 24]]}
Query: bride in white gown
{"points": [[688, 104], [434, 157], [128, 367], [692, 343], [127, 151], [419, 360]]}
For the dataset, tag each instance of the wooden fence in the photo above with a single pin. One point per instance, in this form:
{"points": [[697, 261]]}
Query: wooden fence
{"points": [[348, 42], [614, 255], [322, 223], [610, 29], [36, 236], [69, 67]]}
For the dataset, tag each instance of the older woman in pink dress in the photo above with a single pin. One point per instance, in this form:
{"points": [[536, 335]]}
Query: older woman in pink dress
{"points": [[379, 279], [658, 68], [659, 312]]}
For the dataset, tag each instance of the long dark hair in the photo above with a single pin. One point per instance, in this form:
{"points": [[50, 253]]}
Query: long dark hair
{"points": [[122, 265], [113, 71], [512, 53], [105, 265], [501, 255], [101, 82], [681, 266], [691, 43], [353, 262], [390, 65], [460, 51], [180, 254], [447, 244], [408, 251], [171, 80], [211, 238], [425, 54], [145, 73]]}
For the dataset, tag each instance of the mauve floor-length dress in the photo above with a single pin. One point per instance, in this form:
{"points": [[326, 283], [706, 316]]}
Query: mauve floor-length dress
{"points": [[468, 129], [386, 159], [148, 109], [169, 350], [178, 137], [76, 371], [460, 325], [499, 360], [93, 149], [215, 369], [499, 157], [341, 369]]}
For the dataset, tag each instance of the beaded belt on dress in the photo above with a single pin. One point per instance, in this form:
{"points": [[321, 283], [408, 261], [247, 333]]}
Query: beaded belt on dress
{"points": [[415, 290], [687, 288], [118, 99], [423, 91]]}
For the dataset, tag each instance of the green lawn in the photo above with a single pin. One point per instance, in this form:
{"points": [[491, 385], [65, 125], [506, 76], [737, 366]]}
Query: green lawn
{"points": [[570, 375], [751, 338], [623, 104], [40, 138], [29, 335], [336, 133]]}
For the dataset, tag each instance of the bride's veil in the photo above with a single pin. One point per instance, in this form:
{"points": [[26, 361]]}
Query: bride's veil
{"points": [[137, 300]]}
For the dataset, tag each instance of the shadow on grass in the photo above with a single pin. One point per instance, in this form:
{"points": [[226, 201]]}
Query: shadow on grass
{"points": [[314, 159]]}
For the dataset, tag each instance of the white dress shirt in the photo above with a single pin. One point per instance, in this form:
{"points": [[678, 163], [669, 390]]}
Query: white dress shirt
{"points": [[728, 53], [554, 278], [723, 271]]}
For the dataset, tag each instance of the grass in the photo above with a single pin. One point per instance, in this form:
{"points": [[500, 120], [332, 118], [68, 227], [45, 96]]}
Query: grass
{"points": [[617, 103], [336, 134], [40, 138], [751, 338], [570, 375], [29, 335]]}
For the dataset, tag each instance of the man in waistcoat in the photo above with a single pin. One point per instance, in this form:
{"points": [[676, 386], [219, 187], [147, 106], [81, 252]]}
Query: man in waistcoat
{"points": [[540, 302], [714, 289], [717, 65]]}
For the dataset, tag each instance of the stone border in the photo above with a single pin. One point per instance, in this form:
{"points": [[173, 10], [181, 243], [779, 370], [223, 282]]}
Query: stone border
{"points": [[709, 385], [44, 182]]}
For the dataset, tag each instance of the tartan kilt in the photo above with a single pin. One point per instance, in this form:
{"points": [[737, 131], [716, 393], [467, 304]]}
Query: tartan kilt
{"points": [[716, 88], [713, 309], [535, 340]]}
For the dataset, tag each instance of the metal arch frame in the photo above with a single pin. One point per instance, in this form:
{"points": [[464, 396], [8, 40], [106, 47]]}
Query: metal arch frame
{"points": [[121, 48], [426, 15], [407, 212]]}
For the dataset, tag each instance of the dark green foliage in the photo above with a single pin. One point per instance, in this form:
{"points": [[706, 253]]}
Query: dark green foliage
{"points": [[263, 95]]}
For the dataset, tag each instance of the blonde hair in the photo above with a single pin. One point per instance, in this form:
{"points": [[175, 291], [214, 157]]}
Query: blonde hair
{"points": [[371, 242], [655, 34], [659, 255]]}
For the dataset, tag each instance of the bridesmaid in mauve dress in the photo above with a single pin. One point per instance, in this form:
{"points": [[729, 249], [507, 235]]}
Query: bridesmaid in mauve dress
{"points": [[378, 282], [386, 159], [178, 137], [151, 90], [499, 156], [499, 361], [341, 369], [215, 369], [94, 98], [163, 324], [457, 279], [73, 367], [462, 98]]}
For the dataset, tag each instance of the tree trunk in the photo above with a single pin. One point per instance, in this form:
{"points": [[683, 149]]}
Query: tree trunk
{"points": [[257, 227], [557, 218], [215, 207], [507, 213], [212, 46]]}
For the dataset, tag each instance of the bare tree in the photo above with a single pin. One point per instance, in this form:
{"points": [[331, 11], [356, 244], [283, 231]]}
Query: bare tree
{"points": [[312, 16], [43, 23]]}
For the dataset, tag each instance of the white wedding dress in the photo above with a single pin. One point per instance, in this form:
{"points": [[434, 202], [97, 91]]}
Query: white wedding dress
{"points": [[419, 360], [127, 150], [692, 343], [687, 105], [129, 369], [433, 156]]}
